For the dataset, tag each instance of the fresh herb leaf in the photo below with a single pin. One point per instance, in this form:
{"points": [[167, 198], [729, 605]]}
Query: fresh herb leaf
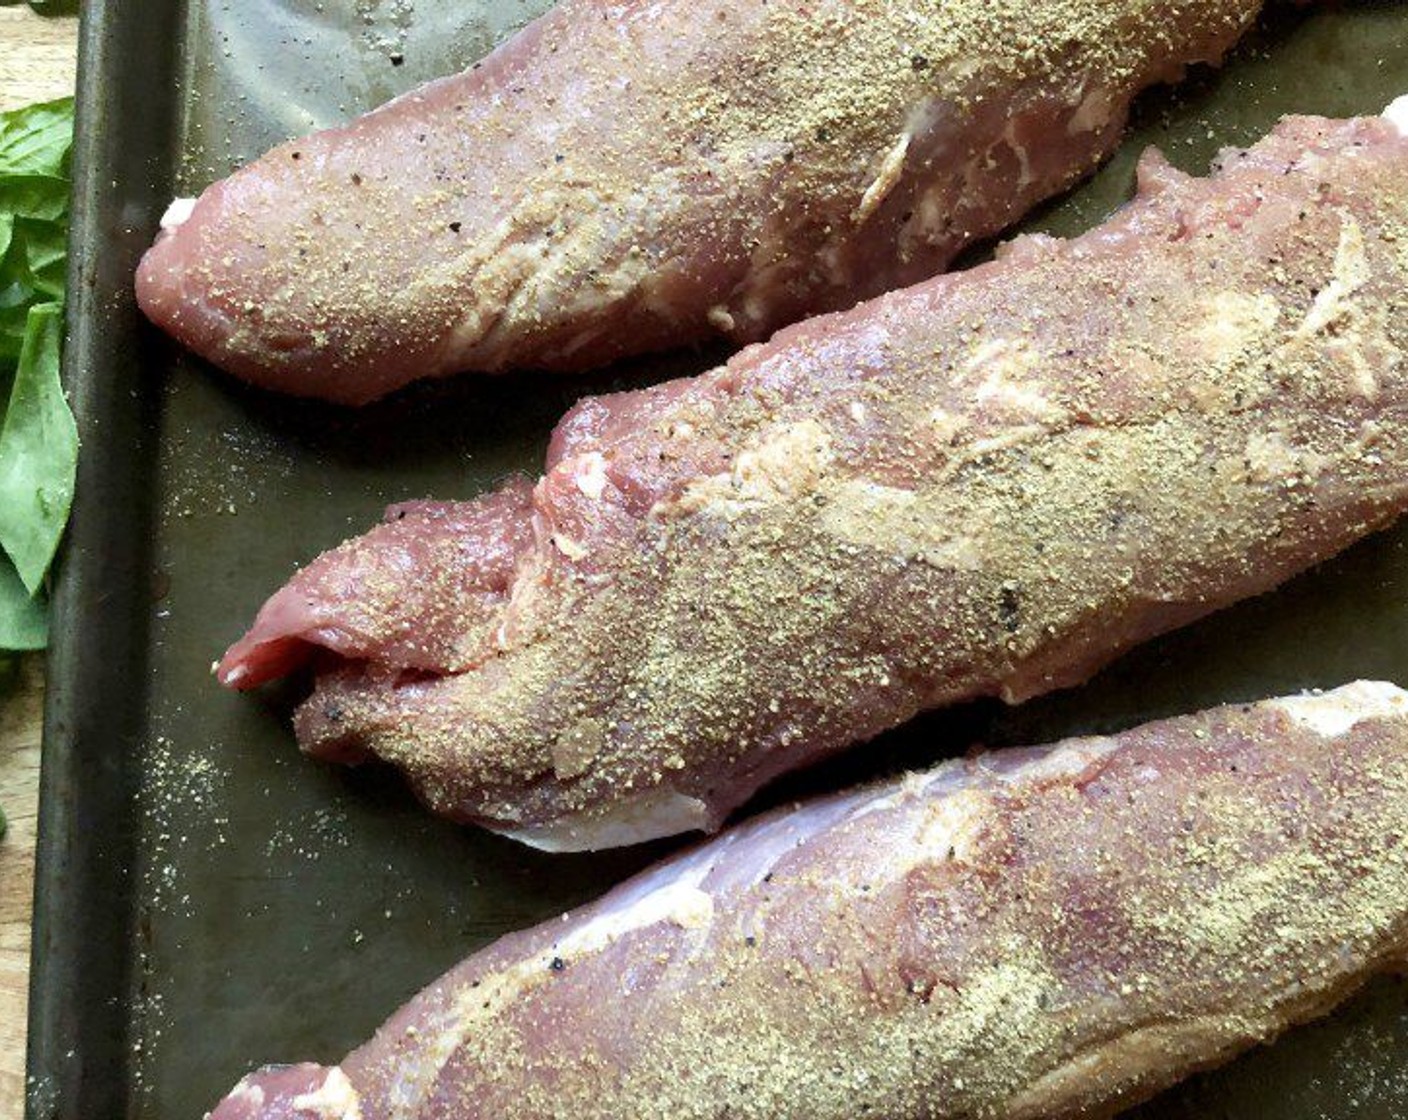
{"points": [[38, 438], [14, 314], [36, 140], [38, 451], [46, 254], [34, 196], [23, 617], [34, 193]]}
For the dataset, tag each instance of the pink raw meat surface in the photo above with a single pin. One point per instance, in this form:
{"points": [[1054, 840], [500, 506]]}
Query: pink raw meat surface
{"points": [[988, 484], [622, 177], [1025, 936]]}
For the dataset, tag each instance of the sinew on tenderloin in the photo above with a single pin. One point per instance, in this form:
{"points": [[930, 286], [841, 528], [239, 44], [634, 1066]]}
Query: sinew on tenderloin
{"points": [[626, 177], [1028, 935], [988, 484]]}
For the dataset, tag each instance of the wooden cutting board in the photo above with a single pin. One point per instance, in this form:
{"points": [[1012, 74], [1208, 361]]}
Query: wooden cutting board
{"points": [[37, 56]]}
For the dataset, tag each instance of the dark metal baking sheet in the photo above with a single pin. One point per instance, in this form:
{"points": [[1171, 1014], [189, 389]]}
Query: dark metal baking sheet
{"points": [[208, 900]]}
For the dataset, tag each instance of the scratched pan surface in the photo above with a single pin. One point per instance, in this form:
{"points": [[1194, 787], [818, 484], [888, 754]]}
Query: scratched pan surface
{"points": [[209, 900]]}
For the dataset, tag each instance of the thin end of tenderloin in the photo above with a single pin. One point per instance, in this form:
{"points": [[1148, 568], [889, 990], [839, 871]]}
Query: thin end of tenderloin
{"points": [[419, 593]]}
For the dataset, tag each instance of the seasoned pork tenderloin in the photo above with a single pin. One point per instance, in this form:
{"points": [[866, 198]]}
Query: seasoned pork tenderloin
{"points": [[988, 484], [1028, 935], [622, 177]]}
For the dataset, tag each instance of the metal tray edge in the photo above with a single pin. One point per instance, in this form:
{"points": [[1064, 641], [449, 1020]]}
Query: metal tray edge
{"points": [[78, 1055]]}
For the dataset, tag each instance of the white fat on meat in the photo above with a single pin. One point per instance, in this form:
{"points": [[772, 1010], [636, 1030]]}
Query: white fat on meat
{"points": [[888, 174], [334, 1099], [680, 904], [1006, 368], [1233, 323], [177, 213], [1397, 115], [1068, 762], [787, 462], [1019, 150], [647, 816], [951, 826], [1094, 111], [947, 828], [1351, 272], [589, 473], [1270, 456], [249, 1090], [1332, 714]]}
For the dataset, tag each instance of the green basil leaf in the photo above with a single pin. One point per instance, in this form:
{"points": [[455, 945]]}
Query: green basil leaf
{"points": [[38, 451], [46, 254], [18, 293], [23, 617], [14, 317], [36, 139], [43, 197], [38, 438]]}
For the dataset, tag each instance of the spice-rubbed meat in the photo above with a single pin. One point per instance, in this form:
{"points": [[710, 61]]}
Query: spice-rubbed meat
{"points": [[624, 177], [991, 483], [1029, 935]]}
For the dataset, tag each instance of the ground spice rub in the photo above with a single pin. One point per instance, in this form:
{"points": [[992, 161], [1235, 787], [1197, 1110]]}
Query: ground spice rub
{"points": [[991, 483], [622, 177], [1039, 934]]}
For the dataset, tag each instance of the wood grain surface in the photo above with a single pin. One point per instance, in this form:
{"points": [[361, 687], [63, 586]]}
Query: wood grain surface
{"points": [[37, 63], [21, 700], [37, 56]]}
